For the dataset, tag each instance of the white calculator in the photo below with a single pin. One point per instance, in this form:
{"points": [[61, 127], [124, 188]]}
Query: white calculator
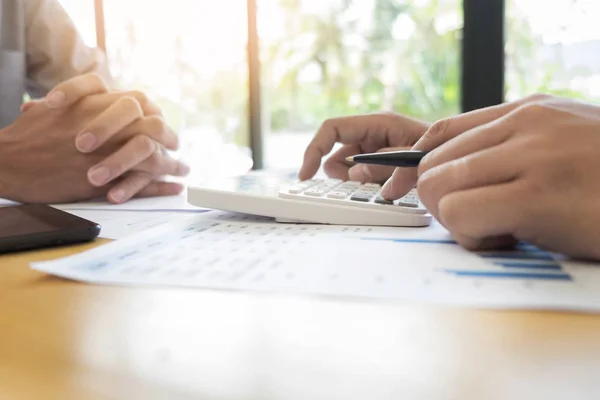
{"points": [[323, 201]]}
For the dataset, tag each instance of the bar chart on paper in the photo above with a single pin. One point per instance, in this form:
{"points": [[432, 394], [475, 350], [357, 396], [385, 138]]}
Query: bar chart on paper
{"points": [[425, 265], [526, 263]]}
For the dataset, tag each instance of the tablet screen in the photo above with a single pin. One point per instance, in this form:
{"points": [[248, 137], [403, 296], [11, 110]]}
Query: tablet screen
{"points": [[19, 221]]}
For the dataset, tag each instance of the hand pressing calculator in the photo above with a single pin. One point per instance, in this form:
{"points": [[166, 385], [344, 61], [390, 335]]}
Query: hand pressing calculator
{"points": [[324, 201]]}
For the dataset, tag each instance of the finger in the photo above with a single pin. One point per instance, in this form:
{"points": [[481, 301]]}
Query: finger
{"points": [[159, 164], [141, 185], [119, 115], [484, 212], [448, 128], [157, 188], [29, 105], [402, 181], [336, 166], [373, 173], [480, 137], [153, 126], [134, 152], [370, 173], [128, 187], [348, 130], [487, 167], [73, 90], [148, 106], [487, 243]]}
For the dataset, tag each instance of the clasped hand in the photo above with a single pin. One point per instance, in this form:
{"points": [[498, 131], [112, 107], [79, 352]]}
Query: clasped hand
{"points": [[83, 141]]}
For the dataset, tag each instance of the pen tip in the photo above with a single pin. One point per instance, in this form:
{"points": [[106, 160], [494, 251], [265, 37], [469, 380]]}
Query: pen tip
{"points": [[351, 159]]}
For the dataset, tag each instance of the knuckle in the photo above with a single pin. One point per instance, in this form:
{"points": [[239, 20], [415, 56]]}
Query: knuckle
{"points": [[131, 104], [425, 164], [329, 125], [154, 164], [145, 144], [438, 128], [426, 186], [454, 214], [424, 190], [154, 125], [96, 78], [531, 111], [536, 98], [451, 216], [101, 128], [141, 97], [389, 118], [523, 226]]}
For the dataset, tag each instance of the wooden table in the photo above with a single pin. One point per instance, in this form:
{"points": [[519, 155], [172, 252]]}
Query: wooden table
{"points": [[66, 340]]}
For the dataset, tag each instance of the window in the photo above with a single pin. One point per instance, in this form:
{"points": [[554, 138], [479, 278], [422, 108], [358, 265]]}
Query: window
{"points": [[555, 51], [328, 58], [190, 57], [82, 13], [325, 58]]}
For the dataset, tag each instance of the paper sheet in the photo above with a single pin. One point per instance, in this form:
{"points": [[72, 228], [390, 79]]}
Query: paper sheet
{"points": [[161, 203], [4, 203], [118, 225], [219, 250]]}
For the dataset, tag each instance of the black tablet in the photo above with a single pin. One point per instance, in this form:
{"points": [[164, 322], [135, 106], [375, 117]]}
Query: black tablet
{"points": [[32, 226]]}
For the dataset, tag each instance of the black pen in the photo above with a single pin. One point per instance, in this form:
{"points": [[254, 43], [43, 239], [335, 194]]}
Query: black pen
{"points": [[402, 158]]}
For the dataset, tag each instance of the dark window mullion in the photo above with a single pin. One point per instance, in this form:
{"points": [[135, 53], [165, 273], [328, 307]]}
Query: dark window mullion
{"points": [[482, 72], [254, 86]]}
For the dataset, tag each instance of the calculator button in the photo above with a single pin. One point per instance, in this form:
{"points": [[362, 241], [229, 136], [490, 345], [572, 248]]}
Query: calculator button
{"points": [[381, 200], [372, 185], [412, 205], [353, 184], [296, 189], [402, 202], [410, 199], [309, 183], [361, 197], [337, 195], [327, 187], [363, 194], [314, 193]]}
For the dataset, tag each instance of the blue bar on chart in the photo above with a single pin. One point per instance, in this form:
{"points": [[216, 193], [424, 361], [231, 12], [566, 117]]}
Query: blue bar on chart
{"points": [[520, 255], [509, 275], [530, 265], [523, 251], [423, 241]]}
